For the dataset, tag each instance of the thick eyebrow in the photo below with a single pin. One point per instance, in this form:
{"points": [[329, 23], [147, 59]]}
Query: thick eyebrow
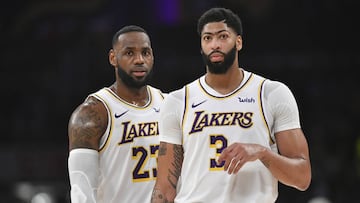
{"points": [[210, 33], [134, 48]]}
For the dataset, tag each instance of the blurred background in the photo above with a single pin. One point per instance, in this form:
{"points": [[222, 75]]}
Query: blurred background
{"points": [[55, 52]]}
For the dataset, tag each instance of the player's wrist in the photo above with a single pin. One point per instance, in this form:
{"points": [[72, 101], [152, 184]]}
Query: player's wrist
{"points": [[264, 155]]}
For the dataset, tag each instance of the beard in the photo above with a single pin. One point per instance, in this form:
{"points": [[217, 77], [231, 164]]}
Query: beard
{"points": [[220, 67], [133, 82]]}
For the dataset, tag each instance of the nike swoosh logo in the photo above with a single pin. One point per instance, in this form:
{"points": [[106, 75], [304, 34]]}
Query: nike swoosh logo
{"points": [[119, 115], [157, 110], [193, 105]]}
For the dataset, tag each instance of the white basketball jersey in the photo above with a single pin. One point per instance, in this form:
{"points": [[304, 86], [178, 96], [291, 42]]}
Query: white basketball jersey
{"points": [[210, 124], [128, 148]]}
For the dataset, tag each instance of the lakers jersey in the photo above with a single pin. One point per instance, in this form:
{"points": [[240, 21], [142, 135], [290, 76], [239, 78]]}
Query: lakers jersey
{"points": [[210, 122], [128, 149]]}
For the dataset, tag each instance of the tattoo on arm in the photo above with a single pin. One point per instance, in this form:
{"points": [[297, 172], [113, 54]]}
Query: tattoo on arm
{"points": [[86, 125], [158, 197], [162, 149], [177, 164]]}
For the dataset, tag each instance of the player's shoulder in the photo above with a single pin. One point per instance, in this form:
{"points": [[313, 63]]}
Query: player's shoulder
{"points": [[177, 93], [89, 117], [91, 105], [181, 92], [155, 90], [276, 88], [268, 83], [272, 85]]}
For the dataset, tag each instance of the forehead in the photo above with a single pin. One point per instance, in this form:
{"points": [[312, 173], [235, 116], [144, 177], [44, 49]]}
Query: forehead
{"points": [[133, 40], [216, 27]]}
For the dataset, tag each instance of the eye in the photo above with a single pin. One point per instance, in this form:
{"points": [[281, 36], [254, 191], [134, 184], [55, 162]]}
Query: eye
{"points": [[206, 37], [129, 53], [146, 53], [223, 36]]}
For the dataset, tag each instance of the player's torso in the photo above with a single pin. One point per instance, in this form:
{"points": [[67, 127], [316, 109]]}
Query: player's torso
{"points": [[217, 122], [211, 124], [128, 150]]}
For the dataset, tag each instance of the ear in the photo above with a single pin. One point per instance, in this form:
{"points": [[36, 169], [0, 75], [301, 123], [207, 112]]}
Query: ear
{"points": [[239, 42], [112, 57]]}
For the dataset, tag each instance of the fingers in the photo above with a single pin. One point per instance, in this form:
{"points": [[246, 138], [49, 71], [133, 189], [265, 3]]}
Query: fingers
{"points": [[232, 161], [235, 165], [233, 158], [226, 154], [237, 154], [226, 157], [238, 166]]}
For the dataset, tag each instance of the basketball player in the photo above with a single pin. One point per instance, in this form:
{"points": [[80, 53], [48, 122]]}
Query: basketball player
{"points": [[113, 135], [230, 135]]}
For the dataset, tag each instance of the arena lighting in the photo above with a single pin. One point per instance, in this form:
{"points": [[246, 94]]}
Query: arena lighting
{"points": [[24, 191], [42, 197], [319, 199], [168, 11], [34, 193]]}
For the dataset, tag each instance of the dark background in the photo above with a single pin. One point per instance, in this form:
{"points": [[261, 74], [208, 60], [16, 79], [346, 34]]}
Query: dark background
{"points": [[54, 53]]}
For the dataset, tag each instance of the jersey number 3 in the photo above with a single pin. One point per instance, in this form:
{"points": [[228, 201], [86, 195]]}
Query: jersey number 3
{"points": [[219, 143]]}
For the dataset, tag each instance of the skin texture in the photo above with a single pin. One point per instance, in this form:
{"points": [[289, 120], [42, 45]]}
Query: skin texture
{"points": [[291, 166], [87, 125], [133, 54]]}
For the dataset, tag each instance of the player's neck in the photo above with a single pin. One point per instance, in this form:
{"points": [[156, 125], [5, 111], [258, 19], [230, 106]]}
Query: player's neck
{"points": [[225, 83], [136, 96]]}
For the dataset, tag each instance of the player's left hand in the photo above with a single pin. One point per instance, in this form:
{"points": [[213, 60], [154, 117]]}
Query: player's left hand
{"points": [[237, 154]]}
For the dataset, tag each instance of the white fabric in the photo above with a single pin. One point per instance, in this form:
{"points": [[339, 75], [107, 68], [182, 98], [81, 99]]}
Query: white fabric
{"points": [[128, 149], [203, 121], [279, 106], [83, 173]]}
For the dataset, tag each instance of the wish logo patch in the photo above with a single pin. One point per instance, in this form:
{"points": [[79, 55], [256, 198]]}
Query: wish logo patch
{"points": [[246, 100]]}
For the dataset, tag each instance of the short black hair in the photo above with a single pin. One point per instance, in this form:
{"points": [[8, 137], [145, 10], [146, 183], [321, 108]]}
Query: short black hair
{"points": [[218, 14], [126, 29]]}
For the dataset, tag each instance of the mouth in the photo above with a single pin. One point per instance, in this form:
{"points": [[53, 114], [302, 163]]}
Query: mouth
{"points": [[216, 57], [139, 73]]}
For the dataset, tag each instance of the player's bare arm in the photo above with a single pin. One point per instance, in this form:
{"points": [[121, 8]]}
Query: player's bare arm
{"points": [[291, 166], [170, 158], [87, 124]]}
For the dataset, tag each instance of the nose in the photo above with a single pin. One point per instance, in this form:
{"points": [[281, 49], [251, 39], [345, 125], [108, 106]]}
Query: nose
{"points": [[215, 44], [139, 59]]}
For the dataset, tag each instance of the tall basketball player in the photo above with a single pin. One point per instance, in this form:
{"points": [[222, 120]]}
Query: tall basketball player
{"points": [[113, 135], [230, 135]]}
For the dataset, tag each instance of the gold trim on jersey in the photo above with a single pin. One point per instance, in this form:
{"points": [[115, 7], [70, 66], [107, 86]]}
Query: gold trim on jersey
{"points": [[109, 112], [226, 96], [130, 104], [185, 109], [161, 94], [271, 141]]}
